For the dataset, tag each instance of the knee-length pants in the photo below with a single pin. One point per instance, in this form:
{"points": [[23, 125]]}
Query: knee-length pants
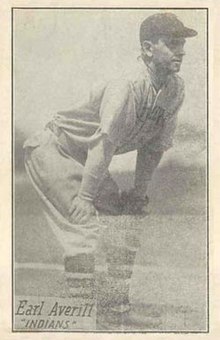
{"points": [[56, 177]]}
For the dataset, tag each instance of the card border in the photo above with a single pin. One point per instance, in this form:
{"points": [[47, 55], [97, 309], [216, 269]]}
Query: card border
{"points": [[207, 170]]}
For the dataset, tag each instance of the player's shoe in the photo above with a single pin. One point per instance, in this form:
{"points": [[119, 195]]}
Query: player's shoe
{"points": [[126, 317]]}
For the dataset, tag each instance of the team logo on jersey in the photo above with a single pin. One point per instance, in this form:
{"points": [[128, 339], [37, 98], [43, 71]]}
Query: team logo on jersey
{"points": [[155, 114]]}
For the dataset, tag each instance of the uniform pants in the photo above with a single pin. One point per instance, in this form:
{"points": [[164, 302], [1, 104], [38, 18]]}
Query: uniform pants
{"points": [[57, 177]]}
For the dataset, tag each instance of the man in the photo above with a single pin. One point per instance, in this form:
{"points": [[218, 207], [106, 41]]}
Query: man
{"points": [[68, 162]]}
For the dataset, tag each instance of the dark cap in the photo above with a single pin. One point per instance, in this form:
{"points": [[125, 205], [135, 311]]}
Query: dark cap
{"points": [[164, 24]]}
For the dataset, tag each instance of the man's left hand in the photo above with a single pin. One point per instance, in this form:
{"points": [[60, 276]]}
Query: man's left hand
{"points": [[133, 204]]}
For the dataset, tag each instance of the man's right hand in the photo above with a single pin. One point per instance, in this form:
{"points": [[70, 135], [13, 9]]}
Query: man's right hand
{"points": [[81, 211]]}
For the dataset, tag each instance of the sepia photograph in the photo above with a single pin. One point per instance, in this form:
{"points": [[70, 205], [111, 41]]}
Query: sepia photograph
{"points": [[110, 170]]}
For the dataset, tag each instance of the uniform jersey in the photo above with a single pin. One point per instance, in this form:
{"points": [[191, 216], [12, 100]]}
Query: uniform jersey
{"points": [[129, 110], [131, 113]]}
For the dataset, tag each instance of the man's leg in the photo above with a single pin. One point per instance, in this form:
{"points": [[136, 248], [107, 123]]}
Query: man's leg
{"points": [[113, 305], [121, 243], [57, 178]]}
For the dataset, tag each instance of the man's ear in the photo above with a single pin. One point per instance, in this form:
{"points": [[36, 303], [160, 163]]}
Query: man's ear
{"points": [[147, 48]]}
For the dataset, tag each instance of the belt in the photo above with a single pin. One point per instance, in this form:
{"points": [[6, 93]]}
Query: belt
{"points": [[71, 150], [54, 128], [61, 137]]}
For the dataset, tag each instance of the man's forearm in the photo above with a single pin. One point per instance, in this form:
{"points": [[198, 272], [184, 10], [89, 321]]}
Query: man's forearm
{"points": [[97, 163], [147, 161]]}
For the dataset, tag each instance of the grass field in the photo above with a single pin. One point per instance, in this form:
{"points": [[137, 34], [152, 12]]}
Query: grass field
{"points": [[170, 272]]}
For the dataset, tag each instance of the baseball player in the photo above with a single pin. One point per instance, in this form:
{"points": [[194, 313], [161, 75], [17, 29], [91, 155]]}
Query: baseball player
{"points": [[68, 162]]}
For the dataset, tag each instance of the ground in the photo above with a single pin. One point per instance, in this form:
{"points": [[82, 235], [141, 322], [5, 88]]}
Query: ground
{"points": [[170, 272]]}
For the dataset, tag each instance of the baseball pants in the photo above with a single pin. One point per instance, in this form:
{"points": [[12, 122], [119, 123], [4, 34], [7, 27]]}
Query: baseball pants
{"points": [[56, 177]]}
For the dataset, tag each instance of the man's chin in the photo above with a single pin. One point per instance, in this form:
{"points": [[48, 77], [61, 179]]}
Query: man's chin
{"points": [[174, 69]]}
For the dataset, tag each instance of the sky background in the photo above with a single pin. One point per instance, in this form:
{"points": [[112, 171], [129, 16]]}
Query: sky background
{"points": [[59, 54]]}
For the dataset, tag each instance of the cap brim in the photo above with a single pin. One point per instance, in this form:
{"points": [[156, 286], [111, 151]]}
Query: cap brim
{"points": [[188, 33]]}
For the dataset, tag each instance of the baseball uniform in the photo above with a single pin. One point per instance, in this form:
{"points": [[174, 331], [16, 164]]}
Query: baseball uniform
{"points": [[130, 112]]}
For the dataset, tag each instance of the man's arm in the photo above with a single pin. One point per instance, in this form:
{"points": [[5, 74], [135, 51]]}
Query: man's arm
{"points": [[147, 161], [116, 107], [99, 157]]}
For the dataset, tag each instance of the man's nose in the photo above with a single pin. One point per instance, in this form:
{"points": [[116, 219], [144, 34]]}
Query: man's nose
{"points": [[180, 52]]}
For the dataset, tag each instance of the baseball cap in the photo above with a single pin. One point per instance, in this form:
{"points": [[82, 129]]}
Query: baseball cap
{"points": [[164, 24]]}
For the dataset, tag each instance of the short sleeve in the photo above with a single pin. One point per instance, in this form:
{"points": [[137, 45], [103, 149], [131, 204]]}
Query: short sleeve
{"points": [[117, 111]]}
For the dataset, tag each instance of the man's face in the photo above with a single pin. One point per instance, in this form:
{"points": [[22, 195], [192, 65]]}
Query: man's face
{"points": [[167, 54]]}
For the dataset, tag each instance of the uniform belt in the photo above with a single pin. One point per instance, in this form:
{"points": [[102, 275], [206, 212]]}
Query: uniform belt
{"points": [[54, 128], [61, 137], [62, 140]]}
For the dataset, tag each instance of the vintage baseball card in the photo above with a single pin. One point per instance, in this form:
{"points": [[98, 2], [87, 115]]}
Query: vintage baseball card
{"points": [[108, 227]]}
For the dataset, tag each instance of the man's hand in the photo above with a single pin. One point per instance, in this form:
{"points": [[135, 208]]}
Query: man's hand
{"points": [[81, 211], [133, 204]]}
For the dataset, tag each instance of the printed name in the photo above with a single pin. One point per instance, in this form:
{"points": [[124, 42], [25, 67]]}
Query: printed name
{"points": [[25, 308]]}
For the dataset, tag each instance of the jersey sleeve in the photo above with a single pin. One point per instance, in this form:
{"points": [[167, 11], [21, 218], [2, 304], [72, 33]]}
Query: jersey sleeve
{"points": [[117, 111]]}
